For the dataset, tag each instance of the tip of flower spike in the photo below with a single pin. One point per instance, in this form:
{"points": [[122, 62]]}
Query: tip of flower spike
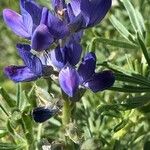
{"points": [[42, 114]]}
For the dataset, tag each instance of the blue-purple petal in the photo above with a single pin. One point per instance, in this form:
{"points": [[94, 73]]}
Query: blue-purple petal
{"points": [[57, 57], [94, 11], [70, 53], [100, 81], [77, 36], [33, 9], [71, 14], [87, 67], [41, 114], [69, 80], [57, 27], [88, 12], [78, 23], [42, 38], [44, 16], [58, 4], [27, 20], [75, 5], [15, 22], [30, 60], [73, 52], [20, 73]]}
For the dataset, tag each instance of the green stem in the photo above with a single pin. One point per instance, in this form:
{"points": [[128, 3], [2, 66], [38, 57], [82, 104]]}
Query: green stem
{"points": [[66, 113], [49, 84], [18, 94], [39, 132]]}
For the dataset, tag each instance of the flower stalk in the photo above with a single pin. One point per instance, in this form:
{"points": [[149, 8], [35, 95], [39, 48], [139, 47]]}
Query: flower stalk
{"points": [[66, 113]]}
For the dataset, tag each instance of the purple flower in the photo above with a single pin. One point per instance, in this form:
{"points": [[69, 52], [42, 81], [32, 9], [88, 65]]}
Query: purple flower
{"points": [[87, 13], [41, 114], [24, 24], [70, 79], [32, 69], [70, 53], [36, 23]]}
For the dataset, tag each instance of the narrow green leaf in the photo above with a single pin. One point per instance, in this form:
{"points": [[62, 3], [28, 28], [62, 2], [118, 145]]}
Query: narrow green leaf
{"points": [[3, 133], [27, 122], [130, 103], [130, 89], [9, 146], [28, 125], [132, 79], [10, 128], [141, 22], [121, 28], [116, 43], [144, 49], [24, 103], [31, 97], [120, 126], [11, 102], [135, 102], [132, 15]]}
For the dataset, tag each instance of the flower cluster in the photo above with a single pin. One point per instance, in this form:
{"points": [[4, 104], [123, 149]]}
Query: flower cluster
{"points": [[63, 28]]}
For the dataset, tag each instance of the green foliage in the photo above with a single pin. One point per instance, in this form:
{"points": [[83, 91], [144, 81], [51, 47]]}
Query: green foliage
{"points": [[116, 119]]}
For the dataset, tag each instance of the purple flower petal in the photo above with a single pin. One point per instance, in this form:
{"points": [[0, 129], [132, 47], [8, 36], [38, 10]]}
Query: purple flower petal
{"points": [[20, 73], [100, 81], [94, 11], [27, 20], [77, 23], [77, 36], [75, 5], [57, 58], [41, 114], [77, 20], [88, 12], [42, 38], [58, 4], [44, 17], [87, 67], [57, 27], [15, 23], [30, 60], [69, 80], [33, 9], [73, 52], [71, 14]]}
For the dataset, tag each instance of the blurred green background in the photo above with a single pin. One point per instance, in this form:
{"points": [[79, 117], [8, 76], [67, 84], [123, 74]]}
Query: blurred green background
{"points": [[118, 129]]}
